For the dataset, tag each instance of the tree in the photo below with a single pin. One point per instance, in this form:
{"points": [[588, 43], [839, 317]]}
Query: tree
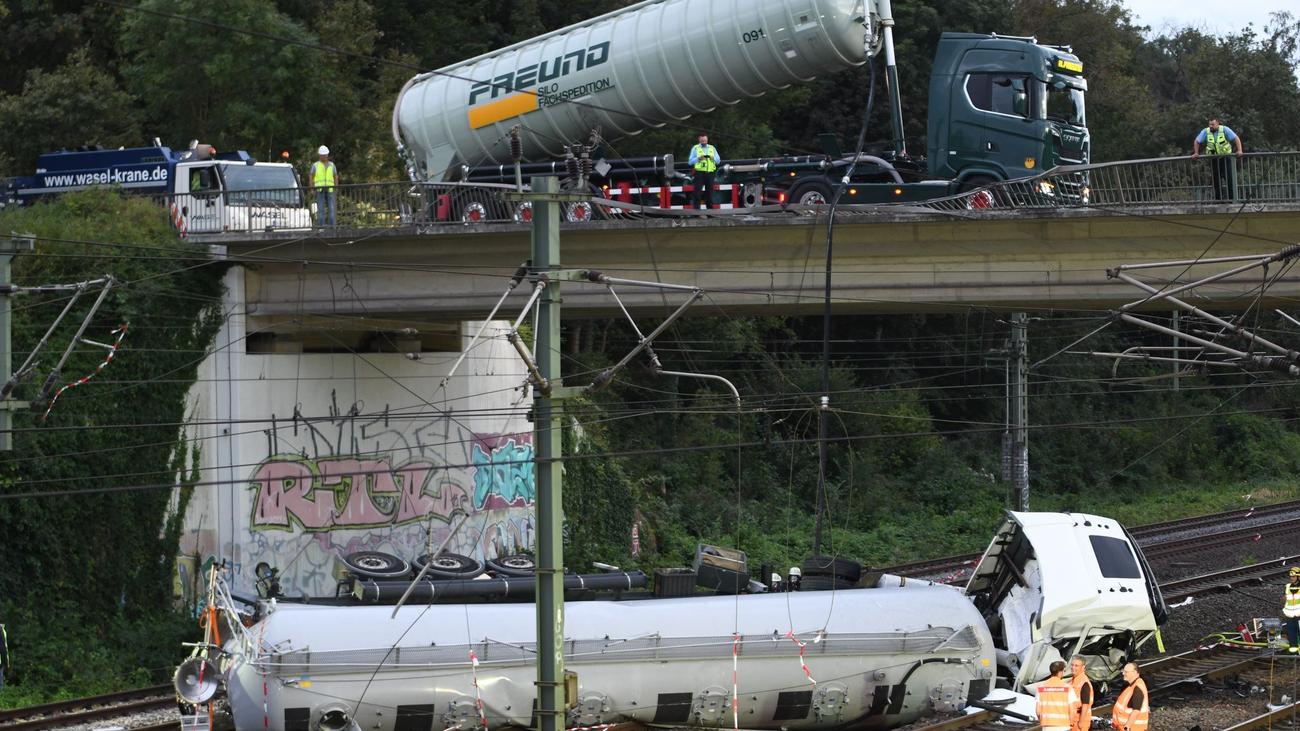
{"points": [[229, 73], [75, 104]]}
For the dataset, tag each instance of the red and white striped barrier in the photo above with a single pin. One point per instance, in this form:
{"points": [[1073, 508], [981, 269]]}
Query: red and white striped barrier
{"points": [[624, 192]]}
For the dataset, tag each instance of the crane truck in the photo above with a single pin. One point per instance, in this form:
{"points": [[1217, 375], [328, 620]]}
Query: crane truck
{"points": [[207, 191], [1000, 107]]}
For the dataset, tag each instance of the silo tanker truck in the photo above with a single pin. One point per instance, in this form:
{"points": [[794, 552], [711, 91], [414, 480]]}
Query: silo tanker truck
{"points": [[206, 191], [1000, 107], [460, 652]]}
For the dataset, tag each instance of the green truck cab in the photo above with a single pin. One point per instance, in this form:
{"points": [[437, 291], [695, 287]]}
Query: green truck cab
{"points": [[1003, 108]]}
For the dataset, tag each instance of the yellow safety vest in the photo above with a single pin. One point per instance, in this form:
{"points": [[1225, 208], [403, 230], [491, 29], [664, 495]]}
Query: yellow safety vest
{"points": [[1291, 609], [704, 158], [1216, 143], [322, 175]]}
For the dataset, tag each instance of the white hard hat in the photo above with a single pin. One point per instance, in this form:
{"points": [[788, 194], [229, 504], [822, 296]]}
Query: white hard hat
{"points": [[323, 150]]}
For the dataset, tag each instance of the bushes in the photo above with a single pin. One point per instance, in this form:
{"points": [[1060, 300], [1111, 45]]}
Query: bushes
{"points": [[95, 568]]}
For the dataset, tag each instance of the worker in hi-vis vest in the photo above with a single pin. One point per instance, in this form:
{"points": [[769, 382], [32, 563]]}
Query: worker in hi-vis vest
{"points": [[1291, 610], [1217, 142], [324, 176], [1056, 700], [704, 161]]}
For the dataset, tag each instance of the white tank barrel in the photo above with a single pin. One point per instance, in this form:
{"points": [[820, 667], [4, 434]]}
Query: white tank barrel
{"points": [[629, 70]]}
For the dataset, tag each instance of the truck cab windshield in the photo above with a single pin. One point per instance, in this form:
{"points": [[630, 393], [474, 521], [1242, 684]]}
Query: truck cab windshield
{"points": [[1064, 104], [271, 185]]}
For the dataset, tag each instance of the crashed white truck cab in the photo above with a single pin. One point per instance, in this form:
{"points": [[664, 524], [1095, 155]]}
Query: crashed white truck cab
{"points": [[1053, 585], [883, 654]]}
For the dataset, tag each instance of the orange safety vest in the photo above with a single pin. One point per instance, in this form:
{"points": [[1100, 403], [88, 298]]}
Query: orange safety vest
{"points": [[1126, 718], [1082, 722], [1056, 702]]}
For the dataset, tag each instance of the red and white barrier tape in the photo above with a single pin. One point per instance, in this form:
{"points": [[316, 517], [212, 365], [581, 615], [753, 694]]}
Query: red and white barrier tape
{"points": [[803, 648], [735, 684], [120, 332], [478, 697]]}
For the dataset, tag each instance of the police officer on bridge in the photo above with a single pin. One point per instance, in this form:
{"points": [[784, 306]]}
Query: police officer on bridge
{"points": [[704, 160], [1217, 141]]}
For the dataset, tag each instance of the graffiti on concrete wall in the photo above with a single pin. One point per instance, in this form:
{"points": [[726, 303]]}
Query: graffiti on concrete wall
{"points": [[351, 481], [293, 492]]}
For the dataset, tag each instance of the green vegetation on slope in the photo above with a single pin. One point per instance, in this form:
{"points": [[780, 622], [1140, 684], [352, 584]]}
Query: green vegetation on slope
{"points": [[87, 577]]}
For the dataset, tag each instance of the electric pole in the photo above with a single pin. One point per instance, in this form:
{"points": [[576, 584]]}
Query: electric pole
{"points": [[1018, 364], [14, 246], [551, 702]]}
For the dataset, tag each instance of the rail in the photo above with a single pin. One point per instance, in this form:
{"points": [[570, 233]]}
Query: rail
{"points": [[1256, 178], [1163, 676], [1156, 539], [89, 710]]}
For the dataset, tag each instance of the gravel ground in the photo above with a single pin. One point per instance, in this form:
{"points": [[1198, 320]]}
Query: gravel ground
{"points": [[1235, 701], [1202, 562], [138, 720]]}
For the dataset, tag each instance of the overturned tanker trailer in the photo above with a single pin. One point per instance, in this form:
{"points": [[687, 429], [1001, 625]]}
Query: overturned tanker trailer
{"points": [[1049, 586]]}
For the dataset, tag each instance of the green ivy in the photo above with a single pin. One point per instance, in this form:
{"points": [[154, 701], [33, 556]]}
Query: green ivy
{"points": [[89, 574]]}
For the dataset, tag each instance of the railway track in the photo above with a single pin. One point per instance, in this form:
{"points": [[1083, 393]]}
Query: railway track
{"points": [[89, 710], [1162, 676], [1180, 589], [1286, 718], [956, 567]]}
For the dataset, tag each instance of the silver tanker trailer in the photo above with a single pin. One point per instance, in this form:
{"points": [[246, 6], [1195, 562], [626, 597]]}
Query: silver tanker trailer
{"points": [[628, 70], [1050, 585]]}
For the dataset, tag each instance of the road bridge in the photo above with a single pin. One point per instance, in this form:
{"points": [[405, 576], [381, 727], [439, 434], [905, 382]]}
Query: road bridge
{"points": [[896, 261], [1010, 247]]}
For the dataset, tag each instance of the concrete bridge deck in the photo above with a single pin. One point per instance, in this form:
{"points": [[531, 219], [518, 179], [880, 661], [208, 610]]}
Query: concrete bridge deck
{"points": [[892, 260]]}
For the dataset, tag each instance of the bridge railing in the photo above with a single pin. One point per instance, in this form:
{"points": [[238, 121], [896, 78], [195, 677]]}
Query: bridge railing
{"points": [[1268, 177], [1253, 178], [360, 206]]}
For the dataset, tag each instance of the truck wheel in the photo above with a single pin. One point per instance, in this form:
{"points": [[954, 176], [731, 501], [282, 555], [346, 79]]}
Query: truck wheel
{"points": [[519, 565], [479, 206], [811, 193], [982, 199], [841, 568], [450, 566], [376, 565]]}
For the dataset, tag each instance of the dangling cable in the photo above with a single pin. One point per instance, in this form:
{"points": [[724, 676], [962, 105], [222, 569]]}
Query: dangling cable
{"points": [[823, 420]]}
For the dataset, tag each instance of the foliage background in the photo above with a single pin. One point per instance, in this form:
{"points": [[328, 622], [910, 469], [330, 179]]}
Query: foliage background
{"points": [[85, 579]]}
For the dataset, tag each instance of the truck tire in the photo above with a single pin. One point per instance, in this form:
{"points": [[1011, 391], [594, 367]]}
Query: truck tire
{"points": [[812, 192], [450, 566], [478, 205], [376, 565], [840, 568], [987, 199], [516, 566]]}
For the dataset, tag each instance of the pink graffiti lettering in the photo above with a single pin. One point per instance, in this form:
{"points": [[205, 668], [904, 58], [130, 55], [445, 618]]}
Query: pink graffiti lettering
{"points": [[321, 495]]}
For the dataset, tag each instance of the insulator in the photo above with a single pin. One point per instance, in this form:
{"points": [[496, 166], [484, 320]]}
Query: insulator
{"points": [[516, 146]]}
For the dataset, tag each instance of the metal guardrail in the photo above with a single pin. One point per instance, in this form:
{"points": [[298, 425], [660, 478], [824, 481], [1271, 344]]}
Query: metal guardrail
{"points": [[362, 206], [1266, 177], [1181, 181]]}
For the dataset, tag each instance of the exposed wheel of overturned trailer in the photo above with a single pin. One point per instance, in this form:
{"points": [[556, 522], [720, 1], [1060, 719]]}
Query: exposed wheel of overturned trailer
{"points": [[450, 566], [824, 583], [843, 568], [517, 565], [376, 565]]}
